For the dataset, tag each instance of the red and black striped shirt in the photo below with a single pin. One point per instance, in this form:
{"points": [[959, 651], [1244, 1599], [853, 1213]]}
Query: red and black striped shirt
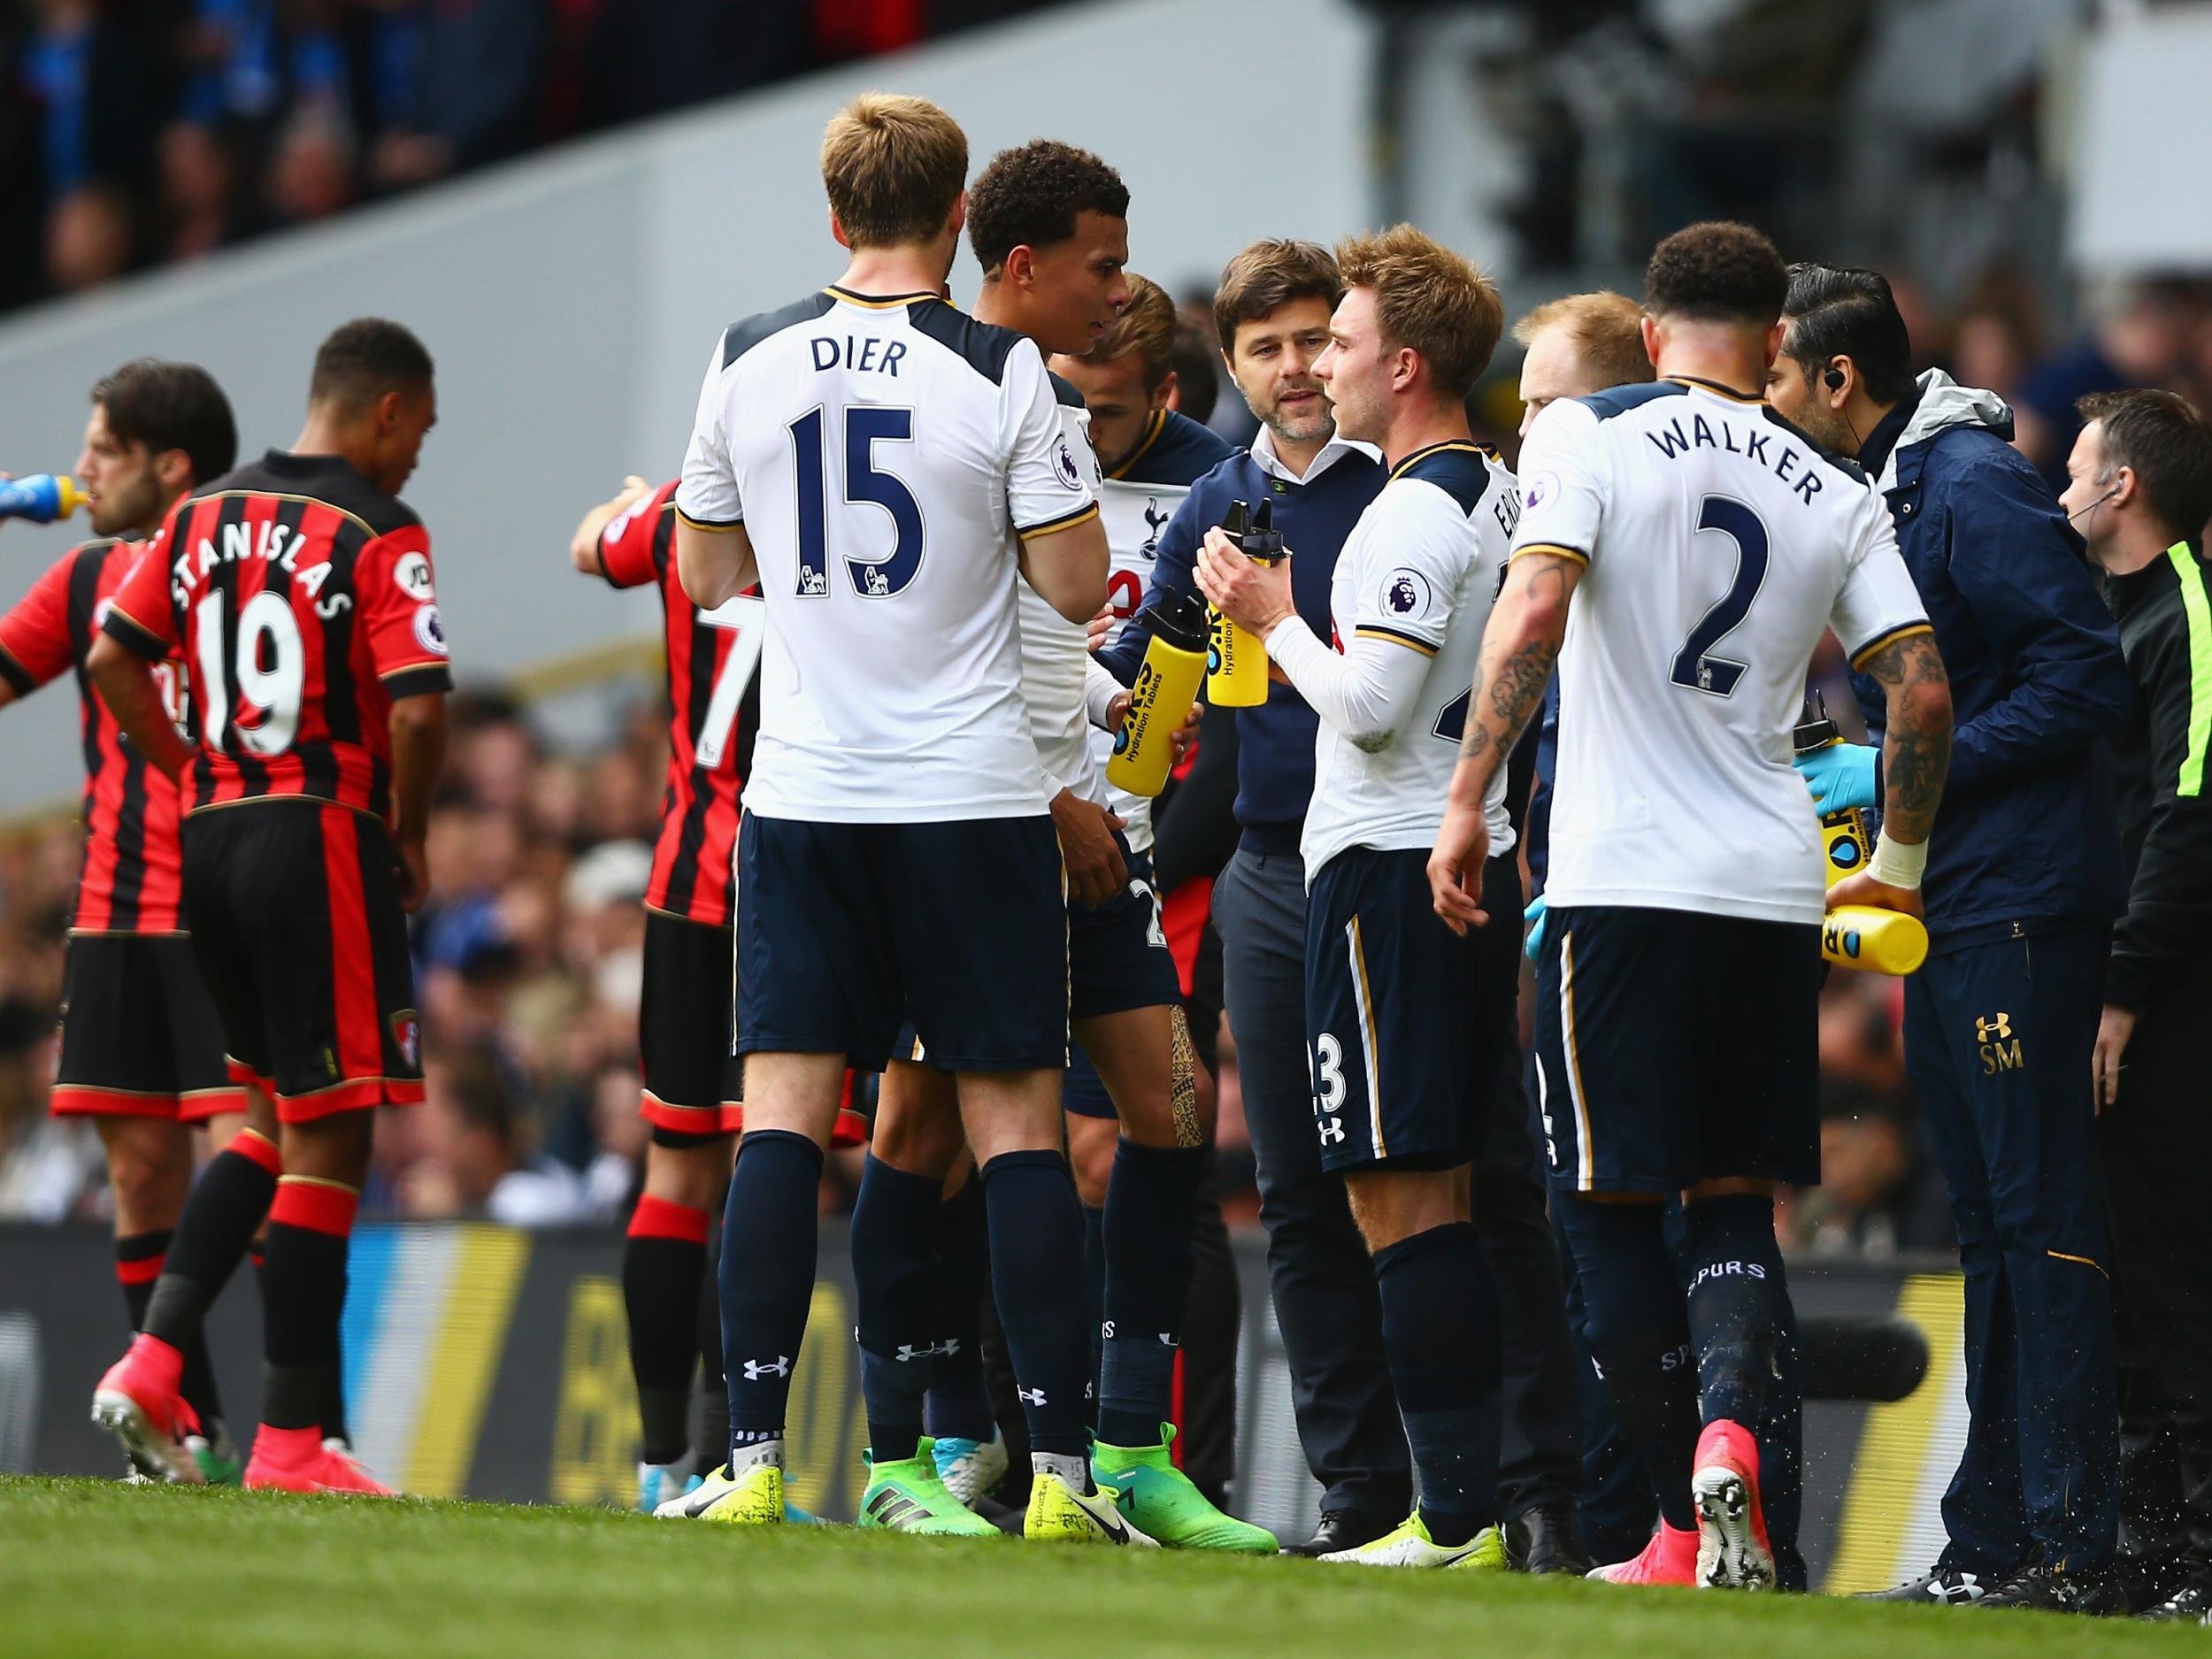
{"points": [[130, 882], [712, 725], [302, 597]]}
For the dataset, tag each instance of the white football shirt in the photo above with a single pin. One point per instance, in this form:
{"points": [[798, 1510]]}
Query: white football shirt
{"points": [[1135, 502], [1055, 651], [1720, 541], [1417, 573], [885, 454]]}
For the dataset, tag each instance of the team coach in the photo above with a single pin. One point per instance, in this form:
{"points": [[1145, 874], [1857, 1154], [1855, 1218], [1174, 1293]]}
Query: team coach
{"points": [[2023, 879]]}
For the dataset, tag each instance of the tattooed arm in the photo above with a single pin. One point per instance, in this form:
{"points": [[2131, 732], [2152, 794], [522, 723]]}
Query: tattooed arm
{"points": [[1519, 646], [1916, 741], [1915, 756]]}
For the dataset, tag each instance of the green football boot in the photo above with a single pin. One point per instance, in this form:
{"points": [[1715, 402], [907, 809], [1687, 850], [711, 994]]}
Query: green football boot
{"points": [[909, 1497], [1159, 1498]]}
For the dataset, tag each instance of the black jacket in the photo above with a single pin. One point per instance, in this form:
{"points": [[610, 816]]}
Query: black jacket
{"points": [[2158, 766], [2026, 838]]}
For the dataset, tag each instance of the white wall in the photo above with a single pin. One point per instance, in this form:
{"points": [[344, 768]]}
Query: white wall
{"points": [[570, 301], [2145, 127]]}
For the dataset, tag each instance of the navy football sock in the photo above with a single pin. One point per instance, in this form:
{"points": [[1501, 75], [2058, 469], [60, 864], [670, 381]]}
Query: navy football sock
{"points": [[1638, 1331], [1036, 1228], [1094, 1305], [714, 1388], [1151, 1206], [894, 1274], [959, 1400], [1738, 1301], [1439, 1327], [767, 1277]]}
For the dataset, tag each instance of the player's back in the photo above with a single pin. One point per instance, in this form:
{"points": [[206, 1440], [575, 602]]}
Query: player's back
{"points": [[128, 882], [884, 454], [713, 701], [1418, 572], [1720, 542], [303, 601]]}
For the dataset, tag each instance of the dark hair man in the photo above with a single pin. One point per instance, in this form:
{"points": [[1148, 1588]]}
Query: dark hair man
{"points": [[2139, 489], [1271, 319], [300, 589], [141, 1051], [1708, 1090], [1408, 1000], [2024, 875]]}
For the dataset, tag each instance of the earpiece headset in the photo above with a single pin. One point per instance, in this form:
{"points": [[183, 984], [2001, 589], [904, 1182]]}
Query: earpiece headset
{"points": [[1831, 377]]}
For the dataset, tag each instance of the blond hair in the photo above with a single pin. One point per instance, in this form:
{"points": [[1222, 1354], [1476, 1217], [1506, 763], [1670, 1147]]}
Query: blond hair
{"points": [[1146, 326], [1607, 332], [1428, 298], [893, 167]]}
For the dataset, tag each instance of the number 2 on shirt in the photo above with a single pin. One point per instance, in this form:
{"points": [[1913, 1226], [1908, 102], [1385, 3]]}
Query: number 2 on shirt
{"points": [[1694, 665]]}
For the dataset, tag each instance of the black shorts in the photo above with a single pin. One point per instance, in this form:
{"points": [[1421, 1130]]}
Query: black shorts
{"points": [[302, 939], [843, 928], [1117, 959], [139, 1036], [1410, 1029], [1674, 1047], [1118, 954], [695, 1083]]}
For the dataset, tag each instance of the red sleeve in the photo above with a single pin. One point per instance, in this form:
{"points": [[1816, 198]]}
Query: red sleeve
{"points": [[625, 545], [143, 614], [34, 635], [398, 594]]}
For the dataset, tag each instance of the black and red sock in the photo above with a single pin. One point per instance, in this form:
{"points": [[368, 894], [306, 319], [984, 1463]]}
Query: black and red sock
{"points": [[228, 1203], [303, 1281], [663, 1262]]}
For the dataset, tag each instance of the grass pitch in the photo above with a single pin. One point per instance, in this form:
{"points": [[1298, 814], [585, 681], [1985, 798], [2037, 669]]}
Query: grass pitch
{"points": [[95, 1568]]}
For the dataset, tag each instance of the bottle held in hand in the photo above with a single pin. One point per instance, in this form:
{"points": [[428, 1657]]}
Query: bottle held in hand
{"points": [[1856, 935], [1236, 660], [1166, 684]]}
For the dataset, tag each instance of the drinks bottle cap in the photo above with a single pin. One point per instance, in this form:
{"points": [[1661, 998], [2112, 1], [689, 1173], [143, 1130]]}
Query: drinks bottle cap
{"points": [[1180, 622], [1263, 540], [1815, 728]]}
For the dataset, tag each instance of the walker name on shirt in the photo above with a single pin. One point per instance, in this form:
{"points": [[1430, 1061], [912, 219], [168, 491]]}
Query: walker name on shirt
{"points": [[1672, 443]]}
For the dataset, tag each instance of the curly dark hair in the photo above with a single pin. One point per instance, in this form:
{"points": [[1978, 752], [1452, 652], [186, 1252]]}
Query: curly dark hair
{"points": [[1718, 271], [1029, 196], [365, 358]]}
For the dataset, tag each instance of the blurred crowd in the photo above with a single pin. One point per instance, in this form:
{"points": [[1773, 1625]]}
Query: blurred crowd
{"points": [[138, 133], [528, 964]]}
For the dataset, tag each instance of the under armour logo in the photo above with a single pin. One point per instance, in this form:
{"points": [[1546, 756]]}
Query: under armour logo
{"points": [[755, 1370], [1331, 1131], [1994, 1030], [948, 1348], [1031, 1397]]}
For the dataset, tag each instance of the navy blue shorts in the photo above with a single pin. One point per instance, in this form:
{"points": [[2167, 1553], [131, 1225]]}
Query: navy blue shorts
{"points": [[1409, 1028], [1674, 1047], [1118, 960], [844, 928]]}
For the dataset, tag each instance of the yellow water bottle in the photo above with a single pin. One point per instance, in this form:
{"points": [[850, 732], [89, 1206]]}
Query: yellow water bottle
{"points": [[1856, 935], [1236, 659], [1166, 684]]}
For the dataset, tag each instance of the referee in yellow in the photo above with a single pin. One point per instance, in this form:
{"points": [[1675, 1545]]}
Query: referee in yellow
{"points": [[2140, 490]]}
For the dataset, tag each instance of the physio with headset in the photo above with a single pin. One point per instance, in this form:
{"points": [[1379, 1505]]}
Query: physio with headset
{"points": [[2023, 881]]}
